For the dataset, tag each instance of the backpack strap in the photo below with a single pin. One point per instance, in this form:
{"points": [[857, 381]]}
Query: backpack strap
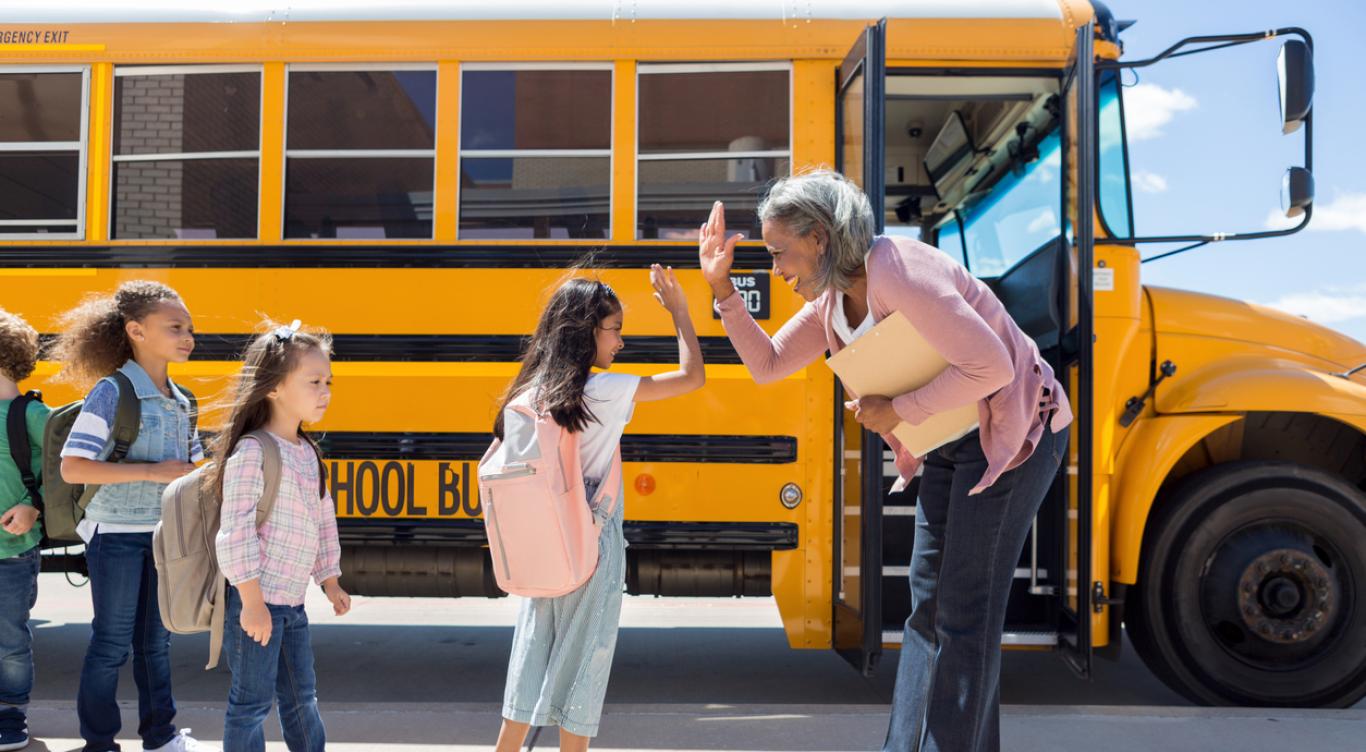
{"points": [[127, 416], [270, 468], [20, 450], [610, 485], [571, 462], [194, 416], [573, 467], [216, 622]]}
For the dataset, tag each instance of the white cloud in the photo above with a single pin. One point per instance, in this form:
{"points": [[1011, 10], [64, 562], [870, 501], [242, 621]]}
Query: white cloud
{"points": [[1149, 182], [1149, 107], [1044, 221], [1347, 211], [1328, 305], [1276, 220]]}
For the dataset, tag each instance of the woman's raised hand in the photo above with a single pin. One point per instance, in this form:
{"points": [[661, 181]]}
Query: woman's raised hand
{"points": [[717, 252]]}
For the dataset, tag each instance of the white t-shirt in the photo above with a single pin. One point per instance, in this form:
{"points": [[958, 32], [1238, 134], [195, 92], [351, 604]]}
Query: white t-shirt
{"points": [[87, 528], [610, 397]]}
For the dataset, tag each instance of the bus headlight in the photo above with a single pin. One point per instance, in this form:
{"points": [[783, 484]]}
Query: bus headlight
{"points": [[791, 495]]}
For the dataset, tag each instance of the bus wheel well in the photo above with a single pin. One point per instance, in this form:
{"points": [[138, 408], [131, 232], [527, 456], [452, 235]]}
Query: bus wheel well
{"points": [[1302, 438]]}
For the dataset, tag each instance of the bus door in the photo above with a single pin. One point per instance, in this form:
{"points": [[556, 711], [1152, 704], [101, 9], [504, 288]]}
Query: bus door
{"points": [[857, 588], [1074, 365]]}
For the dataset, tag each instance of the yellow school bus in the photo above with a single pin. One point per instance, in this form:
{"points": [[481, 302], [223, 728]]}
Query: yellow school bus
{"points": [[414, 175]]}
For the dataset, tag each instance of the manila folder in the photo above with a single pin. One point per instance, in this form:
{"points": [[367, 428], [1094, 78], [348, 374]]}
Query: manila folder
{"points": [[891, 359]]}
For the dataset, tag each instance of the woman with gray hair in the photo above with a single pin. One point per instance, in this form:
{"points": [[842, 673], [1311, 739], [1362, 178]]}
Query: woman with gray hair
{"points": [[978, 494]]}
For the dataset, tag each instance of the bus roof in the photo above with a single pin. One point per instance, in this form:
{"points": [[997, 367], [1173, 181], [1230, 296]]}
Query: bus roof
{"points": [[167, 32], [258, 11]]}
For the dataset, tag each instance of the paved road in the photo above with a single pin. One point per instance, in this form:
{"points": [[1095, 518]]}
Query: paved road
{"points": [[414, 674]]}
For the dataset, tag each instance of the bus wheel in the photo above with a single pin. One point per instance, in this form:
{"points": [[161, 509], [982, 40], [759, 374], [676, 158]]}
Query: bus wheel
{"points": [[1252, 589]]}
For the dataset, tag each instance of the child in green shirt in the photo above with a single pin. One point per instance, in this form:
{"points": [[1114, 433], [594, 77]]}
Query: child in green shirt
{"points": [[20, 533]]}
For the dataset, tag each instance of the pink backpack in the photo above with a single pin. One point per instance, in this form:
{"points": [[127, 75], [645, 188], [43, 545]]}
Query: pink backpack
{"points": [[543, 534]]}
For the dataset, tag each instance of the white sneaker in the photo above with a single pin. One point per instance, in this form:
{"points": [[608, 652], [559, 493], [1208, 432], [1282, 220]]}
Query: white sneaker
{"points": [[183, 742]]}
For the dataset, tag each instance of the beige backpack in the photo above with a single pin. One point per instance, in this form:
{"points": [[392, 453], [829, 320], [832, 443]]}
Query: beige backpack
{"points": [[191, 590]]}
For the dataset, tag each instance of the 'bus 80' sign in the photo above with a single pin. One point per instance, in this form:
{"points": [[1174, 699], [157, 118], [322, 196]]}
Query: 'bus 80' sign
{"points": [[753, 289]]}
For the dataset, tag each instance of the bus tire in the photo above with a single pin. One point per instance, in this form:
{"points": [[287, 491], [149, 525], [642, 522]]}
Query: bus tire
{"points": [[1252, 589]]}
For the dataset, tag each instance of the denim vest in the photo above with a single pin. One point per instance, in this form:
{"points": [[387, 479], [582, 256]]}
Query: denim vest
{"points": [[163, 434]]}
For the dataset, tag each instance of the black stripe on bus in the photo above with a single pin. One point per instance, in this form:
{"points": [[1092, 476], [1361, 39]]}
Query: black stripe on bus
{"points": [[732, 536], [469, 447], [364, 256], [453, 348]]}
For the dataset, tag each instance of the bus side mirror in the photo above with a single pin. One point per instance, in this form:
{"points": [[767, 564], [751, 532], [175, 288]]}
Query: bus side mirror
{"points": [[1297, 191], [1295, 79]]}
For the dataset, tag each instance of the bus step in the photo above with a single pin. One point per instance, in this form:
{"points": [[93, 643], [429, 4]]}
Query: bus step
{"points": [[1036, 639], [1021, 573]]}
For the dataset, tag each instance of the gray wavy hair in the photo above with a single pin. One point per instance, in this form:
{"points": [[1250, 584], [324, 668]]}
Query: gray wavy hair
{"points": [[830, 201]]}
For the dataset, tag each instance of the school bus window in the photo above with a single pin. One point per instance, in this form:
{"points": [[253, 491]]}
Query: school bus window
{"points": [[360, 152], [535, 151], [707, 132], [186, 158], [42, 152], [1114, 159]]}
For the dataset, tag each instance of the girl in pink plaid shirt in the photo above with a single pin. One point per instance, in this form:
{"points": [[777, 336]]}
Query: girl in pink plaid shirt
{"points": [[286, 382]]}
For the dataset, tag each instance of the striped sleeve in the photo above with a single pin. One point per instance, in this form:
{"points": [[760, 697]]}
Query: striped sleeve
{"points": [[90, 433], [196, 448]]}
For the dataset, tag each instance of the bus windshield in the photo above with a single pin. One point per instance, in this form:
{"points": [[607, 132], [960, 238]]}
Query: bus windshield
{"points": [[1018, 215]]}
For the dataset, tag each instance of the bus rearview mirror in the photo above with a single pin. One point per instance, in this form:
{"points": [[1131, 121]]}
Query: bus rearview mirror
{"points": [[1295, 80], [1297, 191]]}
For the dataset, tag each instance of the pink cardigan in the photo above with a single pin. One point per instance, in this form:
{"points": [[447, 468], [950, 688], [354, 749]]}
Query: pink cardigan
{"points": [[990, 359]]}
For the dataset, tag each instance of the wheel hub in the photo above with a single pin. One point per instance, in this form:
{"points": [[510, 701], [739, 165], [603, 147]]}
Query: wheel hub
{"points": [[1285, 596]]}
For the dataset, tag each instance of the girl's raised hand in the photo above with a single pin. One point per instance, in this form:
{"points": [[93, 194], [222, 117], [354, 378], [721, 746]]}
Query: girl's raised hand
{"points": [[668, 291], [717, 252]]}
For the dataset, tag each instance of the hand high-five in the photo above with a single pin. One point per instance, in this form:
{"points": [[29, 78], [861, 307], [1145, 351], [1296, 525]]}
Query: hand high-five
{"points": [[668, 291], [717, 252]]}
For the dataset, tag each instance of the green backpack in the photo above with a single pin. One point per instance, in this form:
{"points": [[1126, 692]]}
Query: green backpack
{"points": [[20, 451], [64, 503]]}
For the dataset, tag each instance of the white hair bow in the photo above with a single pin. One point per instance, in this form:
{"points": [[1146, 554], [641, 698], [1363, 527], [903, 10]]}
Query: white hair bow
{"points": [[286, 333]]}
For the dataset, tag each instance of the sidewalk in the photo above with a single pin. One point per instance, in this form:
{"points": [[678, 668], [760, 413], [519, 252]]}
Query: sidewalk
{"points": [[415, 727]]}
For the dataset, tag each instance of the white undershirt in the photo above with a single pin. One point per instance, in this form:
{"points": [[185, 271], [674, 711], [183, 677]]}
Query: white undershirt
{"points": [[840, 322], [87, 528]]}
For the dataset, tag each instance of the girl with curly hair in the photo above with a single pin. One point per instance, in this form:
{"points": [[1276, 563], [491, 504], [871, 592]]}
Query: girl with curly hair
{"points": [[128, 338]]}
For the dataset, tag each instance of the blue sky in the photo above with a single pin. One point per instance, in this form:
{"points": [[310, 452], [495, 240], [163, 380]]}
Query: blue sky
{"points": [[1207, 154]]}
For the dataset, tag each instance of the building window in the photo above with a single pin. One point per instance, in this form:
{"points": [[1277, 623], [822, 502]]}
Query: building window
{"points": [[187, 152], [42, 152], [360, 149], [706, 133]]}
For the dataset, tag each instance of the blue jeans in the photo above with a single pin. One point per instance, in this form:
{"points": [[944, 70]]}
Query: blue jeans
{"points": [[282, 670], [948, 681], [123, 586], [18, 593]]}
